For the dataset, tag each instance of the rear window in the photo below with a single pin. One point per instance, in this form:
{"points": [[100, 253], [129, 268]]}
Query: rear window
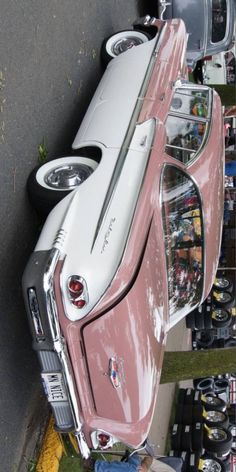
{"points": [[182, 221], [219, 20]]}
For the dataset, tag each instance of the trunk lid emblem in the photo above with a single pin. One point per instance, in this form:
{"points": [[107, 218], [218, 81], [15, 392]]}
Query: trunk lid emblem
{"points": [[114, 372]]}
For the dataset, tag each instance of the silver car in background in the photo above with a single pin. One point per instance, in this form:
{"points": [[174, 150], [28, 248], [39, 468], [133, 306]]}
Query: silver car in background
{"points": [[209, 23]]}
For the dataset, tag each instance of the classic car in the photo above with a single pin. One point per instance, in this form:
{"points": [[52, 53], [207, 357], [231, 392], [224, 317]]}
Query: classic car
{"points": [[131, 242], [210, 25]]}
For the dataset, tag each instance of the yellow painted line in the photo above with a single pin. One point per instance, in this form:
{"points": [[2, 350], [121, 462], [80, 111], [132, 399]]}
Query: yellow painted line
{"points": [[51, 451]]}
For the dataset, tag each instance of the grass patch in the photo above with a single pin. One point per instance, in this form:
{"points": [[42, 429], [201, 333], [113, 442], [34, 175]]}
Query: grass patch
{"points": [[42, 152], [70, 464]]}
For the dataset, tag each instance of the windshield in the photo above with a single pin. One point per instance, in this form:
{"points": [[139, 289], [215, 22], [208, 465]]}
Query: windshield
{"points": [[182, 219]]}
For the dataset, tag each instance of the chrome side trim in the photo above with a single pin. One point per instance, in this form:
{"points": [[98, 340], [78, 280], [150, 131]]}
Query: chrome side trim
{"points": [[130, 132], [61, 349]]}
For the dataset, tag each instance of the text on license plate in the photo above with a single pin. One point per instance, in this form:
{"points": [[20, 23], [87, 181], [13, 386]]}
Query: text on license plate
{"points": [[54, 386]]}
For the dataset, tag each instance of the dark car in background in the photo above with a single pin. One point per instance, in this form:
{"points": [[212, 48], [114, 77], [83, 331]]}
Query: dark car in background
{"points": [[209, 23]]}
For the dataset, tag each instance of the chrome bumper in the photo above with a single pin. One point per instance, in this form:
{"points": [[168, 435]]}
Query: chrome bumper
{"points": [[61, 349]]}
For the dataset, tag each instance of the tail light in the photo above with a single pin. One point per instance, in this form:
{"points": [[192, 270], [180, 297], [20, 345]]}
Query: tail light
{"points": [[78, 292], [75, 286], [102, 440]]}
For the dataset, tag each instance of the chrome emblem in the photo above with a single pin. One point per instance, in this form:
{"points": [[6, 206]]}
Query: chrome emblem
{"points": [[114, 372]]}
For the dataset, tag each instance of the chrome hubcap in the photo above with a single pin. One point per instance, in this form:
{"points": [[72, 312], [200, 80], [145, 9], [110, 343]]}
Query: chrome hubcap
{"points": [[225, 297], [210, 465], [215, 416], [124, 44], [212, 400], [220, 315], [217, 434], [67, 176], [221, 283]]}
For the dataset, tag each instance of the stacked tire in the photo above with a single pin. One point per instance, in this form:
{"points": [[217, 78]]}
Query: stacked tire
{"points": [[213, 314], [200, 432]]}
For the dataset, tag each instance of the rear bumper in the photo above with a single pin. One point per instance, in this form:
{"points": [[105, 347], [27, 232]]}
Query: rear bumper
{"points": [[48, 340]]}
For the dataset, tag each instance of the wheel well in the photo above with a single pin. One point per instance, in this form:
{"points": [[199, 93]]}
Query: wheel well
{"points": [[150, 30], [92, 152]]}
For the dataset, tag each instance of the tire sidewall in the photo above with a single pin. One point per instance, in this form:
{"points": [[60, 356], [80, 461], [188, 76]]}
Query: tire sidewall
{"points": [[42, 197], [50, 165], [106, 50]]}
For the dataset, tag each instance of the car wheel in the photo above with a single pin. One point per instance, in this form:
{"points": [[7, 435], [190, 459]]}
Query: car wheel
{"points": [[181, 396], [50, 183], [197, 437], [205, 385], [185, 458], [121, 42], [186, 438], [208, 318], [193, 462], [230, 342], [216, 418], [223, 299], [176, 437], [220, 385], [199, 321], [217, 440], [222, 284], [206, 338], [211, 464], [189, 396], [231, 412], [187, 415], [179, 413], [221, 318], [211, 402], [197, 414], [190, 320]]}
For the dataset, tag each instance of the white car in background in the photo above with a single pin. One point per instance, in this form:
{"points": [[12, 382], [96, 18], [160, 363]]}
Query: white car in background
{"points": [[220, 69]]}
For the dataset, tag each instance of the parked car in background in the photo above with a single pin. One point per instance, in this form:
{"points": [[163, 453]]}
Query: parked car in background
{"points": [[209, 23], [132, 241], [220, 68]]}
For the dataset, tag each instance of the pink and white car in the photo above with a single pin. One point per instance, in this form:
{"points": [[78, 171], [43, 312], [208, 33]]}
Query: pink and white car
{"points": [[132, 241]]}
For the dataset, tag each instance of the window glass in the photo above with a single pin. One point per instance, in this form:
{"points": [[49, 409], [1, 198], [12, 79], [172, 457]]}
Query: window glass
{"points": [[184, 137], [191, 102], [182, 220], [186, 124], [219, 20]]}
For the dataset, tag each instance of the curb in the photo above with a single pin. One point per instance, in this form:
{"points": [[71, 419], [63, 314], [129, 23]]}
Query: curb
{"points": [[51, 451]]}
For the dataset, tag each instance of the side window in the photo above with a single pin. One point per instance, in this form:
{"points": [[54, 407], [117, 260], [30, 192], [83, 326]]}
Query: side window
{"points": [[184, 137], [219, 20], [186, 125], [191, 102]]}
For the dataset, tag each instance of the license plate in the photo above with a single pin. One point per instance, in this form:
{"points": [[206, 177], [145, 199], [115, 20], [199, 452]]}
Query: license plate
{"points": [[54, 386]]}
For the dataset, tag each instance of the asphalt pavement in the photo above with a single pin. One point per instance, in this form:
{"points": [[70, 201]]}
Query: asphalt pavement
{"points": [[49, 70]]}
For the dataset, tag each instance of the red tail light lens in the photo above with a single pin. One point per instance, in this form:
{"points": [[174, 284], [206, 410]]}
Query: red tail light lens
{"points": [[103, 439], [75, 286], [77, 291], [79, 303]]}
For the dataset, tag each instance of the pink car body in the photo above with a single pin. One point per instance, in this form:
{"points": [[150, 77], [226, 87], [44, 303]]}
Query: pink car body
{"points": [[105, 357]]}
